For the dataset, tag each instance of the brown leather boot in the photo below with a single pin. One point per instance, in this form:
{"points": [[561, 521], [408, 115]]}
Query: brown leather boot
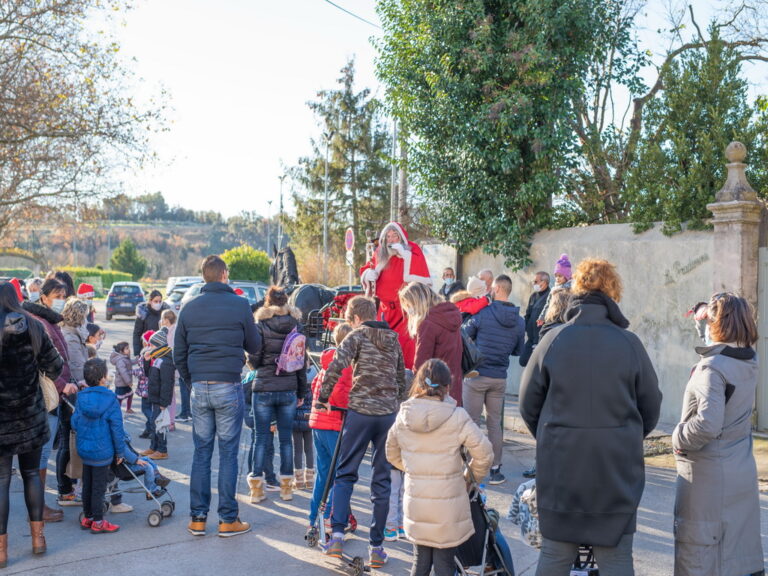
{"points": [[3, 550], [50, 514], [38, 538]]}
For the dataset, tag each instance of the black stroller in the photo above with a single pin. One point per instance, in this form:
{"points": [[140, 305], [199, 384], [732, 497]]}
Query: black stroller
{"points": [[163, 509], [482, 549]]}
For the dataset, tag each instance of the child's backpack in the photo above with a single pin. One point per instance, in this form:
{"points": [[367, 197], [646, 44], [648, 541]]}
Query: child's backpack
{"points": [[142, 384], [291, 357]]}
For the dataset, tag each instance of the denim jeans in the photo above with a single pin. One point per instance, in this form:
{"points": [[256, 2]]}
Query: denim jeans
{"points": [[269, 457], [325, 442], [184, 391], [269, 407], [65, 483], [217, 411], [53, 425], [158, 442], [397, 491], [146, 409], [150, 472]]}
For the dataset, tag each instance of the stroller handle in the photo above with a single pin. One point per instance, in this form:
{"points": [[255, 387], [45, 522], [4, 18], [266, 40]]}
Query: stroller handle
{"points": [[321, 406]]}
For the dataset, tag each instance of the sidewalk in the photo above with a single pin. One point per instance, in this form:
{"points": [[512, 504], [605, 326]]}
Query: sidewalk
{"points": [[276, 544]]}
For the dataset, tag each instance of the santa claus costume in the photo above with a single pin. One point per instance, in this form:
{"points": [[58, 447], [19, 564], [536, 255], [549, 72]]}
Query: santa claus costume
{"points": [[395, 264]]}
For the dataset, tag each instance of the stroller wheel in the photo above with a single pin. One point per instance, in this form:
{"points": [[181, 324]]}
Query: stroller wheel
{"points": [[167, 508], [312, 537], [154, 518]]}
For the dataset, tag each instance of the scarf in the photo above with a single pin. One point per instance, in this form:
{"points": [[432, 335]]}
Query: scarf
{"points": [[600, 298]]}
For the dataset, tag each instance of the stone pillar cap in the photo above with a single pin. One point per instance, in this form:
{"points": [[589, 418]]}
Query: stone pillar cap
{"points": [[736, 185]]}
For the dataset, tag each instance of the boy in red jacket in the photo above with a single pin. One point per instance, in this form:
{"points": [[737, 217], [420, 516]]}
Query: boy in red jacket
{"points": [[326, 425]]}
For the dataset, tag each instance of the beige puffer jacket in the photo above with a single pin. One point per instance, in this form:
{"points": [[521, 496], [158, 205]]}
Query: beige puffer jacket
{"points": [[425, 443]]}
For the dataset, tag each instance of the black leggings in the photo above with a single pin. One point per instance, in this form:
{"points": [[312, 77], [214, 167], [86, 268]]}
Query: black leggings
{"points": [[29, 465], [441, 559]]}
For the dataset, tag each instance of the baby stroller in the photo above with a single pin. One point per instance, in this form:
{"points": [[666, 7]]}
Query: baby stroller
{"points": [[485, 548]]}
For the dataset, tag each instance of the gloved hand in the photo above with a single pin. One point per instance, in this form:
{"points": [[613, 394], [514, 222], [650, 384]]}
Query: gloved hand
{"points": [[370, 275], [399, 248]]}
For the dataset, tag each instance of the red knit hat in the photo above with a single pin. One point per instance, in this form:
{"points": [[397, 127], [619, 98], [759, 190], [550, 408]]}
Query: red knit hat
{"points": [[85, 291], [147, 335], [17, 286]]}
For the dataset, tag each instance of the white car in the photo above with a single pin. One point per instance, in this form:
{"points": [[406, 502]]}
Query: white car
{"points": [[174, 281]]}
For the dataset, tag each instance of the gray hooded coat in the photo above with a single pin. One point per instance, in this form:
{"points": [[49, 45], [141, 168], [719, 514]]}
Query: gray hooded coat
{"points": [[717, 505]]}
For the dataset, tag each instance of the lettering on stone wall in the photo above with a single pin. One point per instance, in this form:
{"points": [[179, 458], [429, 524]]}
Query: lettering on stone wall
{"points": [[678, 270]]}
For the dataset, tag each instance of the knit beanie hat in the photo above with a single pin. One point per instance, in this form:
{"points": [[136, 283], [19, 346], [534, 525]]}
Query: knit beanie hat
{"points": [[159, 339], [85, 291], [563, 266], [476, 287]]}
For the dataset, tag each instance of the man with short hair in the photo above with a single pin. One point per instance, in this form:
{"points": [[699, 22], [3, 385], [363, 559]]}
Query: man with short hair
{"points": [[498, 331], [486, 276], [535, 305], [451, 284], [212, 332]]}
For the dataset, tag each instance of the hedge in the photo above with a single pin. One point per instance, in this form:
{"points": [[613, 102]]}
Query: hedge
{"points": [[22, 273], [100, 279]]}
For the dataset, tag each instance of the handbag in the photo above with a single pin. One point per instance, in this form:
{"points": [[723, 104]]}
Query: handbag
{"points": [[50, 394], [75, 464], [470, 355]]}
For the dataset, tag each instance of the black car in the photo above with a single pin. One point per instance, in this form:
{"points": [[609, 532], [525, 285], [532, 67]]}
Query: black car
{"points": [[123, 298]]}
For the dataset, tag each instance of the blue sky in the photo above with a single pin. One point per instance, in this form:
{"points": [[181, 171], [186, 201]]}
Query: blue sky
{"points": [[239, 74]]}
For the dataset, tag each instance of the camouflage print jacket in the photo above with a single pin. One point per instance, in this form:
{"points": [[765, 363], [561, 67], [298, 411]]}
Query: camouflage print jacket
{"points": [[378, 371]]}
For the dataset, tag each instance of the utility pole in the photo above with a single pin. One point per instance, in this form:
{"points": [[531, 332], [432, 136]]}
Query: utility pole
{"points": [[280, 217], [393, 199], [328, 136], [269, 227]]}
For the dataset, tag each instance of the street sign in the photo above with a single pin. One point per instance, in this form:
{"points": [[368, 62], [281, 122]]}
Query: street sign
{"points": [[350, 258], [349, 240]]}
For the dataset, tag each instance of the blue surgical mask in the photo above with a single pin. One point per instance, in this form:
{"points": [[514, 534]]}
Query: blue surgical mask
{"points": [[58, 305], [34, 296], [449, 281]]}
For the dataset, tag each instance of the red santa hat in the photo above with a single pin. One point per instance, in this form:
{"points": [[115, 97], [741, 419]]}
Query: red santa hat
{"points": [[17, 286], [85, 291]]}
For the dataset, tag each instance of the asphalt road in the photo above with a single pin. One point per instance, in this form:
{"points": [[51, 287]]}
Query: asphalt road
{"points": [[276, 545]]}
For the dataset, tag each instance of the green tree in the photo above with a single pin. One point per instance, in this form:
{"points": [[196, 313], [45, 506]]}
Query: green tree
{"points": [[246, 263], [126, 258], [358, 172], [484, 90], [680, 163]]}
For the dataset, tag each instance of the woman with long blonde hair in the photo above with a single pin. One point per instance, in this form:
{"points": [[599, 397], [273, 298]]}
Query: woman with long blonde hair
{"points": [[435, 325]]}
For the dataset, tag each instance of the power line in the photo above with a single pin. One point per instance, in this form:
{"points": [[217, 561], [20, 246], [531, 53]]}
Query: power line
{"points": [[353, 14]]}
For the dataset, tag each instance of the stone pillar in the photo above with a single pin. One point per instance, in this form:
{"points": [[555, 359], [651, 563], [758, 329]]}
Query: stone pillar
{"points": [[736, 221]]}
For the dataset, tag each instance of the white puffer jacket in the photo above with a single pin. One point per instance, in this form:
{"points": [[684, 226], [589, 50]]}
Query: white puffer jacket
{"points": [[425, 443]]}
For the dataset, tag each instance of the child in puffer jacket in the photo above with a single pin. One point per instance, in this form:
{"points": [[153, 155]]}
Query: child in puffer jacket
{"points": [[426, 442], [303, 453], [121, 360], [326, 426]]}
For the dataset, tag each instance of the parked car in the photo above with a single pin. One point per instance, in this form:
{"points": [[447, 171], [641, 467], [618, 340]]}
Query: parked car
{"points": [[174, 298], [254, 291], [174, 281], [122, 299]]}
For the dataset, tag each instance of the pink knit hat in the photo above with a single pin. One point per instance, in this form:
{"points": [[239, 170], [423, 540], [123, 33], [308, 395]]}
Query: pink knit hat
{"points": [[563, 266]]}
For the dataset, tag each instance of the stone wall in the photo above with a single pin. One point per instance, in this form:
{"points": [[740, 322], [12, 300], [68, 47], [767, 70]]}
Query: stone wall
{"points": [[663, 276]]}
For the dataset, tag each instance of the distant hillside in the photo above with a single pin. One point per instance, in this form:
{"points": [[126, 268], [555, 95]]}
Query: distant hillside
{"points": [[171, 248]]}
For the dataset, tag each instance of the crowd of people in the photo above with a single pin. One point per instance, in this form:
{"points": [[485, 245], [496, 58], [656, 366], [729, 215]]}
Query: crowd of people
{"points": [[393, 383]]}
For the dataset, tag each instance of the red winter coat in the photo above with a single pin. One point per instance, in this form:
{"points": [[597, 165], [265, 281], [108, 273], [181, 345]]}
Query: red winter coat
{"points": [[439, 336], [469, 304], [320, 419]]}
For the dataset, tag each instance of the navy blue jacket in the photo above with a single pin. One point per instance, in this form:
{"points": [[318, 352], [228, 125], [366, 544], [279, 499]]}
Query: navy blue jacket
{"points": [[98, 424], [212, 332], [499, 332]]}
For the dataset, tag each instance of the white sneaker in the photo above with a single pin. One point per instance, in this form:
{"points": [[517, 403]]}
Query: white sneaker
{"points": [[122, 507]]}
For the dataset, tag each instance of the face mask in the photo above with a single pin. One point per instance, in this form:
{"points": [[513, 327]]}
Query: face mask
{"points": [[156, 307], [34, 296], [449, 281], [537, 287], [58, 305], [98, 344]]}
